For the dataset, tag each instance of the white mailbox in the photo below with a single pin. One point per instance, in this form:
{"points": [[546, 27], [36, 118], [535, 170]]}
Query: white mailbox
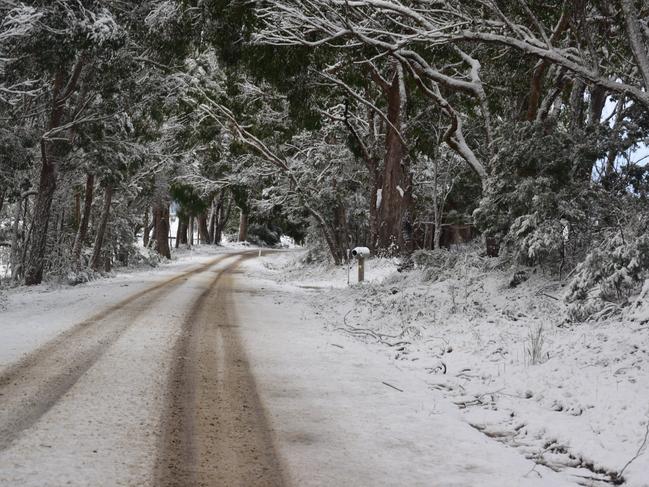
{"points": [[360, 252]]}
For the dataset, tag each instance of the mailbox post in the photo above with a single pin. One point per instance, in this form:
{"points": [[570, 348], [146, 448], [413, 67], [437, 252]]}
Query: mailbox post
{"points": [[360, 253]]}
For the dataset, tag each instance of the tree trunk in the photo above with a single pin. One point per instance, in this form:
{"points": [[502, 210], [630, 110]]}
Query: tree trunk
{"points": [[191, 231], [536, 83], [83, 224], [212, 224], [13, 260], [203, 232], [46, 189], [2, 200], [636, 41], [161, 218], [48, 175], [95, 260], [222, 217], [577, 103], [77, 208], [243, 226], [375, 190], [394, 173], [146, 229], [179, 232], [437, 236], [584, 169]]}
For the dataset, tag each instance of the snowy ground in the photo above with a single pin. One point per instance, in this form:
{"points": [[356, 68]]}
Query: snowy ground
{"points": [[574, 398], [34, 315], [351, 379]]}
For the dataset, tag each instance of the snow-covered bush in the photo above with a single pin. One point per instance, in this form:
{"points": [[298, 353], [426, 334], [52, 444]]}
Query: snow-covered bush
{"points": [[639, 309], [442, 264], [534, 345], [609, 275], [440, 259], [146, 256], [264, 234], [539, 202], [81, 277]]}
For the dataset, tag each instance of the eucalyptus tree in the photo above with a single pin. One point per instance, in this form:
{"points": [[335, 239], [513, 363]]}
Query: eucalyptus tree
{"points": [[66, 39], [387, 27], [300, 168], [369, 61], [67, 66]]}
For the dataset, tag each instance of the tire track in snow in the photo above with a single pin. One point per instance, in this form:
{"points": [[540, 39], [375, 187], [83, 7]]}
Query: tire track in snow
{"points": [[33, 385], [214, 430]]}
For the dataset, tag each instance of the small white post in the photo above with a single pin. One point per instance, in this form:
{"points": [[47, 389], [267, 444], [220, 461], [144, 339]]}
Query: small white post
{"points": [[360, 253]]}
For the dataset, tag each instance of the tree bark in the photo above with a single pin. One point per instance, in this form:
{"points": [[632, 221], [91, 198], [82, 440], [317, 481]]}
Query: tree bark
{"points": [[211, 226], [243, 226], [635, 40], [203, 231], [536, 83], [13, 260], [49, 174], [161, 218], [577, 103], [95, 260], [341, 230], [77, 208], [222, 217], [46, 189], [179, 232], [147, 229], [83, 223], [394, 172]]}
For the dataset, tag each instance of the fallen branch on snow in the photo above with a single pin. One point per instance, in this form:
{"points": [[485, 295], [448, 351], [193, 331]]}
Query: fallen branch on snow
{"points": [[393, 387], [643, 445]]}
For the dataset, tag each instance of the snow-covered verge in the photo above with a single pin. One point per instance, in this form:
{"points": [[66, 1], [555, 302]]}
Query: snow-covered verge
{"points": [[572, 397]]}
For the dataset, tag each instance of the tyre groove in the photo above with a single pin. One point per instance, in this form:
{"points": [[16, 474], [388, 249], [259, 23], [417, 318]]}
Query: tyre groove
{"points": [[33, 385], [214, 429]]}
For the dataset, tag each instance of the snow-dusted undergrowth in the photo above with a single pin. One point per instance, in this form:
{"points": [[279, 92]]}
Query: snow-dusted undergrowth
{"points": [[574, 397]]}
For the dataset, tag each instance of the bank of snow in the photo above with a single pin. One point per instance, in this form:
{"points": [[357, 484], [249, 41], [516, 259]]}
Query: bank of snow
{"points": [[574, 398], [342, 414]]}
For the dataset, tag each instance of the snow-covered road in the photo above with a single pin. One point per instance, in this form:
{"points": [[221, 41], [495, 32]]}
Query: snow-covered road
{"points": [[202, 373]]}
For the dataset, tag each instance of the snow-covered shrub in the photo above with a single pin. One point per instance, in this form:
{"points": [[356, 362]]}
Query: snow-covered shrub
{"points": [[99, 27], [442, 264], [639, 309], [538, 202], [81, 277], [534, 345], [164, 13], [440, 259], [264, 235], [610, 274], [146, 256], [316, 249]]}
